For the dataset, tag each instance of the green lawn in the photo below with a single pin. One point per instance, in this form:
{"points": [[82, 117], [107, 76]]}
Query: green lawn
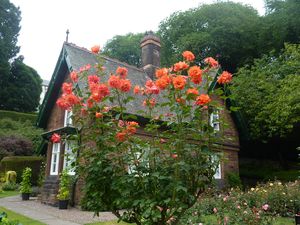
{"points": [[22, 219], [114, 222], [8, 193], [209, 220]]}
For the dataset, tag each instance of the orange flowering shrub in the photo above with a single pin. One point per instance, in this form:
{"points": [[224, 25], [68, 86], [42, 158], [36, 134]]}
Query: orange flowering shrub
{"points": [[154, 174]]}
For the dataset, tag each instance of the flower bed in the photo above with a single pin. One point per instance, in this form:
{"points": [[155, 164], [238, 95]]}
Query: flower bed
{"points": [[259, 205]]}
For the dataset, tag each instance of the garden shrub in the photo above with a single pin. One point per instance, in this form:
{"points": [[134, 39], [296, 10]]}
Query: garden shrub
{"points": [[258, 205], [22, 129], [168, 169], [18, 116], [233, 180], [5, 221], [8, 186], [19, 163], [11, 176], [13, 145]]}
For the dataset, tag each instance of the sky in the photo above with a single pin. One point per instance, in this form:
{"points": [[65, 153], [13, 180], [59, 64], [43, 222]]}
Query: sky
{"points": [[90, 22]]}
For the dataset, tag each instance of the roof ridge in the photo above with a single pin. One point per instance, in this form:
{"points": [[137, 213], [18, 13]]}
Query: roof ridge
{"points": [[105, 57]]}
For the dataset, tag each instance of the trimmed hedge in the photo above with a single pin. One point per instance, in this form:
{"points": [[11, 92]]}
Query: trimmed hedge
{"points": [[18, 116], [19, 163]]}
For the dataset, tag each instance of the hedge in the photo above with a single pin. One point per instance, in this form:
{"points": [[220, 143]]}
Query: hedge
{"points": [[18, 163], [18, 116]]}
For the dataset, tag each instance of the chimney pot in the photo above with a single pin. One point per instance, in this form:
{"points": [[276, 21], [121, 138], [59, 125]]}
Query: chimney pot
{"points": [[150, 45]]}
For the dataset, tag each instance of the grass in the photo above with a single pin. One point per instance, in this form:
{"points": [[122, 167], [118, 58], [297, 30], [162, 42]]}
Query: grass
{"points": [[22, 219], [208, 220], [113, 222], [4, 194]]}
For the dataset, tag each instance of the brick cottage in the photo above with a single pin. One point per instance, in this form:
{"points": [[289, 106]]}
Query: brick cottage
{"points": [[55, 120]]}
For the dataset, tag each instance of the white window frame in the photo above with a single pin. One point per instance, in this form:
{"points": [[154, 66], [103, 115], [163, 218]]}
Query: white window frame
{"points": [[55, 156], [218, 173], [68, 118], [69, 157], [214, 121]]}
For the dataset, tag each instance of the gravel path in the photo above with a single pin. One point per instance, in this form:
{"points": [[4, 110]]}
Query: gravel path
{"points": [[52, 215]]}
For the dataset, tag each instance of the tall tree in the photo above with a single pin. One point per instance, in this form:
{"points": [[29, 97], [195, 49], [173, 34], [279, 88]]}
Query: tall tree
{"points": [[268, 94], [23, 89], [280, 24], [225, 30], [20, 85], [10, 17], [125, 48]]}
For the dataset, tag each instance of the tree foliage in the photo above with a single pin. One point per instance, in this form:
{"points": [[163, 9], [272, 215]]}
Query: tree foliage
{"points": [[125, 48], [280, 24], [269, 95], [225, 30], [10, 17], [20, 85], [24, 88]]}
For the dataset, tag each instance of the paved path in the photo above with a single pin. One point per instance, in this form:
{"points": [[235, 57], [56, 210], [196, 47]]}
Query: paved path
{"points": [[52, 215]]}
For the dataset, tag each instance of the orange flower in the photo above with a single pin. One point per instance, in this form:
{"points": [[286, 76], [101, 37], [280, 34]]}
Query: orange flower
{"points": [[67, 88], [188, 56], [95, 49], [149, 102], [163, 82], [121, 136], [66, 101], [90, 102], [98, 115], [125, 85], [131, 127], [122, 71], [192, 92], [211, 62], [180, 100], [114, 81], [74, 76], [179, 82], [93, 79], [202, 99], [103, 90], [136, 89], [151, 87], [132, 123], [96, 97], [180, 66], [161, 72], [225, 78], [55, 138], [195, 74]]}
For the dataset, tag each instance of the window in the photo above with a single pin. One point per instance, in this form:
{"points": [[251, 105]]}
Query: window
{"points": [[132, 167], [218, 174], [68, 118], [141, 159], [214, 121], [55, 159], [69, 157]]}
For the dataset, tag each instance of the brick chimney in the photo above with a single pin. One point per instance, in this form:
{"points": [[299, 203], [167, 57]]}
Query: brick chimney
{"points": [[150, 45]]}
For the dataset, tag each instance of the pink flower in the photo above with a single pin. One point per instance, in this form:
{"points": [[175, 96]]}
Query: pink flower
{"points": [[265, 207], [215, 210]]}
